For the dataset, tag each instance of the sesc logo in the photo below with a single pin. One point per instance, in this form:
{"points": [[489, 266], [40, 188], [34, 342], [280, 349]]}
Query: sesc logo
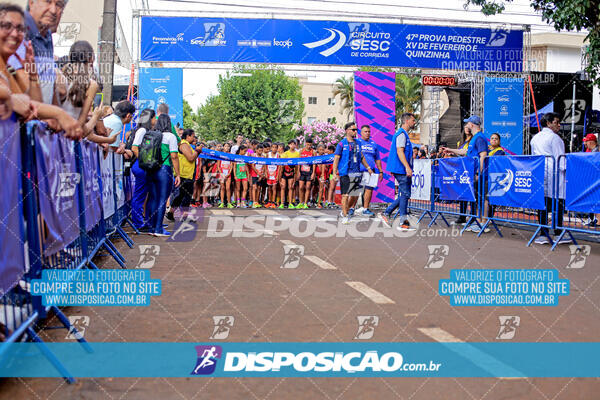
{"points": [[330, 50], [500, 183], [207, 359], [282, 43], [465, 179], [160, 89]]}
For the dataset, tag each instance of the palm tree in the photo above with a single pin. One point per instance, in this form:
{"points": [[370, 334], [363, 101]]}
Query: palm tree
{"points": [[408, 94], [344, 87]]}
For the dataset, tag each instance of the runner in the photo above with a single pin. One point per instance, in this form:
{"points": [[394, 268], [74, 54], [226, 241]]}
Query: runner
{"points": [[332, 180], [225, 169], [400, 166], [371, 153], [241, 179], [272, 172], [320, 179], [346, 165], [288, 176], [257, 173], [307, 174]]}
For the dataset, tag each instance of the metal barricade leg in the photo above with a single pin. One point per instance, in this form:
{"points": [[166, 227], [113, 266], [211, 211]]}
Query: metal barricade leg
{"points": [[125, 237], [50, 356], [65, 321], [114, 253]]}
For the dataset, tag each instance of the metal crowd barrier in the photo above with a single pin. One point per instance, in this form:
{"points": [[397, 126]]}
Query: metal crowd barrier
{"points": [[457, 204], [63, 223], [582, 210], [518, 213]]}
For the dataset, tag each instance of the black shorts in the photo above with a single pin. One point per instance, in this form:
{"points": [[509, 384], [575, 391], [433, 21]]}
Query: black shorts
{"points": [[348, 184], [305, 176], [255, 180]]}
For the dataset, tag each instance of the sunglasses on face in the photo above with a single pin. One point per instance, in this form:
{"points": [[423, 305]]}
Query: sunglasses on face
{"points": [[354, 129]]}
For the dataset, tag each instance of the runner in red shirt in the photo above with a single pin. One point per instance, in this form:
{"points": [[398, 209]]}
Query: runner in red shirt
{"points": [[307, 174]]}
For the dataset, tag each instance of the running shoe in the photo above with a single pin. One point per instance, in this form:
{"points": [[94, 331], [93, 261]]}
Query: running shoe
{"points": [[164, 233], [195, 205], [319, 206], [564, 240], [206, 205], [291, 206], [244, 205], [385, 219], [230, 205], [368, 213], [360, 211], [351, 212], [305, 206], [541, 240], [256, 205], [406, 227], [281, 206], [345, 220], [221, 205]]}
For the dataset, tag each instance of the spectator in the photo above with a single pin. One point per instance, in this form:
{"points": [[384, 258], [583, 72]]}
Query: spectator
{"points": [[12, 94], [495, 149], [139, 217], [188, 153], [163, 108], [161, 181], [591, 143], [80, 88], [548, 143], [41, 17], [114, 123]]}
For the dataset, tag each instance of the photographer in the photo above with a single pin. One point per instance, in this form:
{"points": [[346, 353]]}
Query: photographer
{"points": [[188, 153]]}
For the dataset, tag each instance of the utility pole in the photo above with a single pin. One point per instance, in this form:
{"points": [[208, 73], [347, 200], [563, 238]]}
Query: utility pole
{"points": [[107, 48]]}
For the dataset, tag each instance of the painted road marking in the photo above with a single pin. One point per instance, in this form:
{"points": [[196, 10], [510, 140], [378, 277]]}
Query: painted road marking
{"points": [[411, 315], [320, 263], [288, 242], [372, 294], [221, 212], [476, 356]]}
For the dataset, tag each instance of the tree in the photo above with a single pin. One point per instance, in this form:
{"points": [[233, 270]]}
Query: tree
{"points": [[189, 118], [570, 15], [344, 87], [210, 120], [408, 94], [259, 102]]}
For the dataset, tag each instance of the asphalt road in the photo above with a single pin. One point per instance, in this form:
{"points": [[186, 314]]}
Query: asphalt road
{"points": [[336, 280]]}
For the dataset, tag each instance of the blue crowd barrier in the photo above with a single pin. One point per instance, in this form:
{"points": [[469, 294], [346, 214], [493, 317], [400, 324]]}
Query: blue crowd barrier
{"points": [[518, 189], [581, 195], [60, 222]]}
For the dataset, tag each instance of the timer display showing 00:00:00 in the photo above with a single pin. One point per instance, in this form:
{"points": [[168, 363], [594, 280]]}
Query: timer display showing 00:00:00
{"points": [[437, 80]]}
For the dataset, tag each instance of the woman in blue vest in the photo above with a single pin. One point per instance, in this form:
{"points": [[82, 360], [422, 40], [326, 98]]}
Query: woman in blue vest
{"points": [[400, 164]]}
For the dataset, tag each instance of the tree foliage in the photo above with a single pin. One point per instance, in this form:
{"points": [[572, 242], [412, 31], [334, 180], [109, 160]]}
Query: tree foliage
{"points": [[256, 102], [570, 15], [408, 91]]}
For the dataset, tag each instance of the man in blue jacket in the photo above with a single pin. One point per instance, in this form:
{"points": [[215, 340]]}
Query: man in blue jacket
{"points": [[399, 164], [346, 165]]}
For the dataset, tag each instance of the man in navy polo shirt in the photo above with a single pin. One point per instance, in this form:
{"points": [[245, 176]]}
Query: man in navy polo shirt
{"points": [[371, 154], [400, 166], [477, 147], [346, 165]]}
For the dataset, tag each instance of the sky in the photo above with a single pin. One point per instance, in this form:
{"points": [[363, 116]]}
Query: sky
{"points": [[201, 83]]}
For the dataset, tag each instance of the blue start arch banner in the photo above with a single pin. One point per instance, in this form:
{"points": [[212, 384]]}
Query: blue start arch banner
{"points": [[189, 39]]}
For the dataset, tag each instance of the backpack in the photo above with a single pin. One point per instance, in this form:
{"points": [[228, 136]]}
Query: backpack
{"points": [[150, 156]]}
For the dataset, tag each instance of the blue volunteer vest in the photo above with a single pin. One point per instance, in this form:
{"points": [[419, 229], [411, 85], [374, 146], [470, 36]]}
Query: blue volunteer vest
{"points": [[472, 149], [394, 165]]}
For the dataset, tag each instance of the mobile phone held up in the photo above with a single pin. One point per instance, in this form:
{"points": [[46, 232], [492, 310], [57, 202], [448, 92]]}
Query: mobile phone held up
{"points": [[98, 100]]}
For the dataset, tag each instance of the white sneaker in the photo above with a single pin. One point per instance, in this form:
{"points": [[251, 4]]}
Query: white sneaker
{"points": [[541, 240], [359, 211], [564, 240], [345, 220]]}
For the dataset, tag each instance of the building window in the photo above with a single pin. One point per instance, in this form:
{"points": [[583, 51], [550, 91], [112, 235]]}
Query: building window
{"points": [[312, 100], [310, 120], [331, 101]]}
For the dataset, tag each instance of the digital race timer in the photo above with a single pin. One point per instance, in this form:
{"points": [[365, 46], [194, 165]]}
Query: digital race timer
{"points": [[439, 80]]}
